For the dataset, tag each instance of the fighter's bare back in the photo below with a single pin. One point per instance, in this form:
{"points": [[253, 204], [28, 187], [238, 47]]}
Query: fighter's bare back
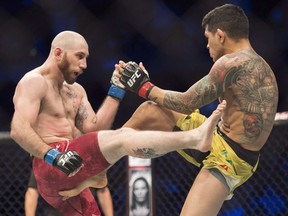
{"points": [[250, 90]]}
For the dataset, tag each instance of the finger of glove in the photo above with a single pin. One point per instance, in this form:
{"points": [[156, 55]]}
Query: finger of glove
{"points": [[69, 167], [74, 167], [124, 78], [128, 72], [132, 67], [115, 79], [134, 64], [73, 162], [72, 159], [76, 160], [142, 70], [77, 156]]}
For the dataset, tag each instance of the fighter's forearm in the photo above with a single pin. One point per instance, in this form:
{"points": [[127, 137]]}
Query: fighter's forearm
{"points": [[172, 100], [23, 134], [106, 113]]}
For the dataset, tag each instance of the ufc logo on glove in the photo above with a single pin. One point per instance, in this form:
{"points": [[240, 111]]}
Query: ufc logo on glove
{"points": [[136, 79], [65, 158], [133, 78]]}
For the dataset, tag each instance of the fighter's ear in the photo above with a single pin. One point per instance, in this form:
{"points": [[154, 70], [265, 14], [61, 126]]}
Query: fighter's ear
{"points": [[58, 52], [221, 35]]}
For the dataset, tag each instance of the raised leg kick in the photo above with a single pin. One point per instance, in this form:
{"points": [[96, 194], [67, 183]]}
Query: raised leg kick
{"points": [[150, 144]]}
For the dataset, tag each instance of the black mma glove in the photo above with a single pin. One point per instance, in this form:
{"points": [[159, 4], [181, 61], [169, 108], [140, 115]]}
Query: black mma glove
{"points": [[117, 89], [69, 162], [136, 80]]}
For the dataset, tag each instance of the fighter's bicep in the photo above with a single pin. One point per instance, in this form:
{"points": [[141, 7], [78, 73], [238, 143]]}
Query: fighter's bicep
{"points": [[202, 92]]}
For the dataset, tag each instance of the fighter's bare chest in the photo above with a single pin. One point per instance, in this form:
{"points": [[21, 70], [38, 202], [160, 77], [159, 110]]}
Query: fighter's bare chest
{"points": [[62, 103]]}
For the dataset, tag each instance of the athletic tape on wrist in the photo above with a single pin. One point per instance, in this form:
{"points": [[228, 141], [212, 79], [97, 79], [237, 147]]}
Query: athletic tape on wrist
{"points": [[145, 89], [116, 92], [50, 156]]}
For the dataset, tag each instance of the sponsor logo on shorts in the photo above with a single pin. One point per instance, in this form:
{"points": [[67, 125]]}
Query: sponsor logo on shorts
{"points": [[57, 146], [224, 166]]}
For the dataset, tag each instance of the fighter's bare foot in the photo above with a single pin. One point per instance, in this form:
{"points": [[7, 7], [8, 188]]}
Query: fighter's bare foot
{"points": [[207, 128]]}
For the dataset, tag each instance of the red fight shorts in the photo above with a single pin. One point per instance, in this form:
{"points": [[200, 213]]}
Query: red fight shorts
{"points": [[51, 180]]}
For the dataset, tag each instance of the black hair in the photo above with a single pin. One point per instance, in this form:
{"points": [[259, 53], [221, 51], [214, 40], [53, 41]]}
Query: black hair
{"points": [[230, 19]]}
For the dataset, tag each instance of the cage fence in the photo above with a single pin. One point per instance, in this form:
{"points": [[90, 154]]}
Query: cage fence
{"points": [[265, 194]]}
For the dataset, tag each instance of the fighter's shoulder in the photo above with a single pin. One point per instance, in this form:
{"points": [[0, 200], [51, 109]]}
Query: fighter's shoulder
{"points": [[76, 88], [235, 59], [77, 85], [31, 85], [33, 78]]}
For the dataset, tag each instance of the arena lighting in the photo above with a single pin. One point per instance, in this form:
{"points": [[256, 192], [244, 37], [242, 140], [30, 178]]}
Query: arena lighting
{"points": [[281, 118]]}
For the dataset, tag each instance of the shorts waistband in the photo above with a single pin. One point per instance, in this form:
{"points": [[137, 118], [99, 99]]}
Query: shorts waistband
{"points": [[250, 157]]}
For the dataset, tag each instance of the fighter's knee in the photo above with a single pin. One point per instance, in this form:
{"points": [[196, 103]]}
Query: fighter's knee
{"points": [[148, 107], [145, 116], [123, 130]]}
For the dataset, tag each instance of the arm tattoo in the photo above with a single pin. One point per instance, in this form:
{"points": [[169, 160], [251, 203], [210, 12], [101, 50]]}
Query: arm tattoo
{"points": [[81, 116], [200, 94], [145, 153], [174, 102]]}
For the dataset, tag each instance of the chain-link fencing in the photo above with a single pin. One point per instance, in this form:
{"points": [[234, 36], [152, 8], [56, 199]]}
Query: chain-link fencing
{"points": [[265, 194]]}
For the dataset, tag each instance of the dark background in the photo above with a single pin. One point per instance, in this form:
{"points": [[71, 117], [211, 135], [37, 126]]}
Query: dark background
{"points": [[167, 36], [164, 34]]}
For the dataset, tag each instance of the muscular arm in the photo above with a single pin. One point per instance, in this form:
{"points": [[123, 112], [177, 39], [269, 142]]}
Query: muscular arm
{"points": [[198, 95], [201, 93], [27, 100], [87, 120], [214, 85], [106, 113]]}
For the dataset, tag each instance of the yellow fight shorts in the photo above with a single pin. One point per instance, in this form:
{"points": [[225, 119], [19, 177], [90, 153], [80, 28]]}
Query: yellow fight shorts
{"points": [[226, 157]]}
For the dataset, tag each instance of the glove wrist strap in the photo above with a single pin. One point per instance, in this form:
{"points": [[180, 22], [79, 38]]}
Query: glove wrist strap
{"points": [[145, 89], [116, 92], [51, 155]]}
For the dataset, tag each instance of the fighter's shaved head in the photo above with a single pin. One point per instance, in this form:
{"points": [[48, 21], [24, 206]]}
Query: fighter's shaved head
{"points": [[67, 40]]}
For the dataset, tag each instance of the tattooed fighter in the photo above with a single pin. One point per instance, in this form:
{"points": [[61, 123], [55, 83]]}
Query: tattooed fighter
{"points": [[242, 78]]}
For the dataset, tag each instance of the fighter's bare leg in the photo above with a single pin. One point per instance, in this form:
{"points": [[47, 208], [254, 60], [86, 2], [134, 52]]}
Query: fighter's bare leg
{"points": [[149, 144], [151, 116], [163, 120], [206, 195]]}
